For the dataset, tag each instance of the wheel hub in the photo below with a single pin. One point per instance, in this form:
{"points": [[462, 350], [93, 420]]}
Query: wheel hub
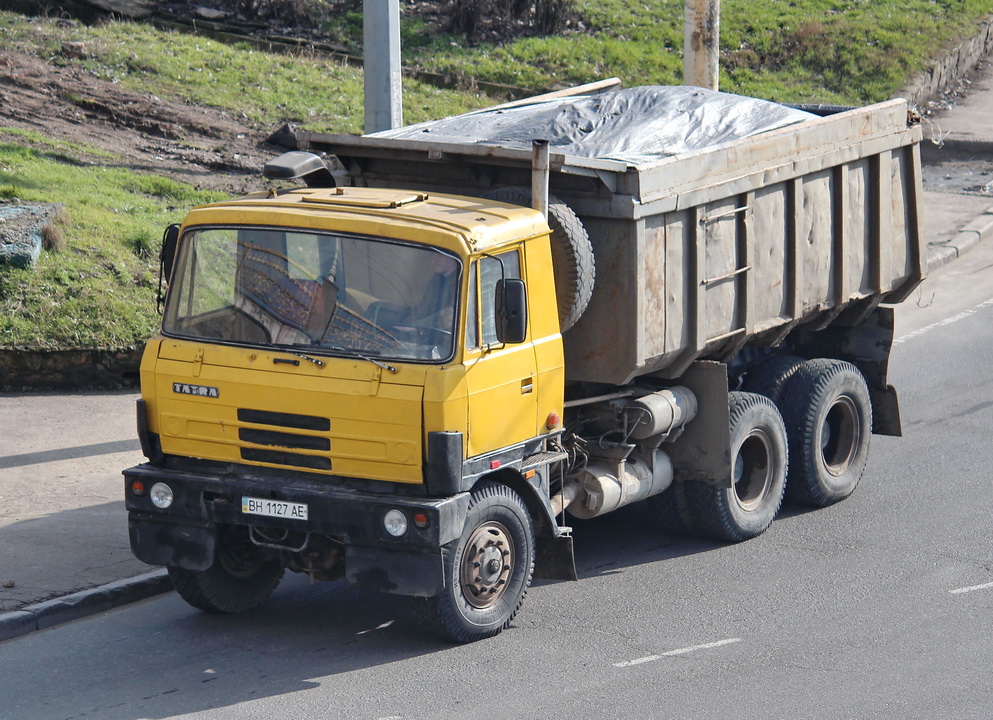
{"points": [[841, 435], [753, 470], [487, 563], [237, 555]]}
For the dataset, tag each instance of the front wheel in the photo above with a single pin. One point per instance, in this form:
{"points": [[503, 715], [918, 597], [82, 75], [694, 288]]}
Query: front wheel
{"points": [[242, 577], [758, 474], [487, 570]]}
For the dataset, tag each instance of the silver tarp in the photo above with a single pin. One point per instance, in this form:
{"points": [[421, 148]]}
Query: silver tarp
{"points": [[636, 125]]}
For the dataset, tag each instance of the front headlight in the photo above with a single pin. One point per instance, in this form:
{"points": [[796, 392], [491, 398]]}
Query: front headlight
{"points": [[161, 495], [395, 523]]}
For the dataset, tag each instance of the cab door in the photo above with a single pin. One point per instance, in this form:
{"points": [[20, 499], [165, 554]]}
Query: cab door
{"points": [[501, 379]]}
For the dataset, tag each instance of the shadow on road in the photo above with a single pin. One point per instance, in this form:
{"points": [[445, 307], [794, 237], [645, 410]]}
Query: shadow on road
{"points": [[161, 658], [70, 453]]}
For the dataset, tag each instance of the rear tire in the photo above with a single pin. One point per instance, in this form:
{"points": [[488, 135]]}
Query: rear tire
{"points": [[242, 577], [771, 377], [829, 416], [669, 510], [487, 570], [758, 474]]}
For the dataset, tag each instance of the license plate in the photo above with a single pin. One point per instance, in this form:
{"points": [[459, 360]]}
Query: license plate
{"points": [[274, 508]]}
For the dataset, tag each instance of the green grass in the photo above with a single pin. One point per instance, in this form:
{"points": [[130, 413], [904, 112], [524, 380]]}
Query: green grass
{"points": [[99, 291], [835, 51]]}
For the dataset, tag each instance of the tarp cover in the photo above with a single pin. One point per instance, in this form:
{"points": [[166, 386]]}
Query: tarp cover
{"points": [[636, 125]]}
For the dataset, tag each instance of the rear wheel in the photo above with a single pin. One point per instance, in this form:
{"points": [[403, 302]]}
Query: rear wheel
{"points": [[487, 570], [829, 415], [758, 474], [242, 577], [771, 377]]}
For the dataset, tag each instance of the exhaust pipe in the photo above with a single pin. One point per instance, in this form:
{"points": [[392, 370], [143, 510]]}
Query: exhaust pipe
{"points": [[539, 176]]}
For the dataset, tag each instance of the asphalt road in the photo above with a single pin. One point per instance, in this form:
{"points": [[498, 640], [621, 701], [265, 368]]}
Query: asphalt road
{"points": [[877, 607]]}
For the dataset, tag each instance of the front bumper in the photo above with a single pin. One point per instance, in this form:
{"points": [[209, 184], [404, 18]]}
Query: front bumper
{"points": [[184, 534]]}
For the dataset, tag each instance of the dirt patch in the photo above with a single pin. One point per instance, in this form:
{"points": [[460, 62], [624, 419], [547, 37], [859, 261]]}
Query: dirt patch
{"points": [[205, 147]]}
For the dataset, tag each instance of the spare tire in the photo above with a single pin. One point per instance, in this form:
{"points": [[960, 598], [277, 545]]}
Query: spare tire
{"points": [[572, 253]]}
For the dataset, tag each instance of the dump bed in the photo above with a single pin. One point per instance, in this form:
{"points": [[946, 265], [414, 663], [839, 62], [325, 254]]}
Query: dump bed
{"points": [[704, 240]]}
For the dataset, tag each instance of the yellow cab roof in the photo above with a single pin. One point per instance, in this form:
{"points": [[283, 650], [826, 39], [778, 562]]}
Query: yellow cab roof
{"points": [[463, 224]]}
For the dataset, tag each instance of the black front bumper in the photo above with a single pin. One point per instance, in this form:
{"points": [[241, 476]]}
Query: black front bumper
{"points": [[184, 534]]}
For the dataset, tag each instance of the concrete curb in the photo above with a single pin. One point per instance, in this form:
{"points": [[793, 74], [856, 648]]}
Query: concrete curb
{"points": [[937, 147], [977, 231], [82, 604]]}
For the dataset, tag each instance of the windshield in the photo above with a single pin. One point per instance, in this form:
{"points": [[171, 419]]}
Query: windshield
{"points": [[316, 290]]}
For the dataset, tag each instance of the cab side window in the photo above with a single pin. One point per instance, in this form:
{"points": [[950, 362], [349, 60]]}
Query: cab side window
{"points": [[481, 325]]}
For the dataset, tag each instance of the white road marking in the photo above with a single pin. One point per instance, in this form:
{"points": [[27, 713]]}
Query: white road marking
{"points": [[680, 651], [947, 321], [378, 627], [959, 591]]}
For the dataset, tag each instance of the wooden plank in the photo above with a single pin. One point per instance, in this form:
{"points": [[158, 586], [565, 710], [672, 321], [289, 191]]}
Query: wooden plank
{"points": [[593, 88], [746, 281], [839, 219]]}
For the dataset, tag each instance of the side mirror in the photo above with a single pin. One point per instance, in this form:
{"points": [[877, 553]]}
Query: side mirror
{"points": [[168, 256], [167, 259], [511, 311]]}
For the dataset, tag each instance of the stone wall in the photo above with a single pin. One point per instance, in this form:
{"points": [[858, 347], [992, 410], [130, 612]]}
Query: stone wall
{"points": [[945, 72], [68, 369]]}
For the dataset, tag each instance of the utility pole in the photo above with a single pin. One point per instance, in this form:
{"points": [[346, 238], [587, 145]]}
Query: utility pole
{"points": [[701, 43], [381, 61]]}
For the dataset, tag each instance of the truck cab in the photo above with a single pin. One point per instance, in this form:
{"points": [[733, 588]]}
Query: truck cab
{"points": [[337, 368]]}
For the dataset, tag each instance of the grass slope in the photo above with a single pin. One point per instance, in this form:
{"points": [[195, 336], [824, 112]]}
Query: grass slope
{"points": [[99, 290]]}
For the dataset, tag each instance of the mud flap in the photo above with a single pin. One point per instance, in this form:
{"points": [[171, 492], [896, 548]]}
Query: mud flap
{"points": [[190, 547], [554, 559], [397, 571], [703, 451]]}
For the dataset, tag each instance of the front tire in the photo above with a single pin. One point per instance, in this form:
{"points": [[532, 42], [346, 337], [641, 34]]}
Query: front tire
{"points": [[829, 415], [487, 570], [758, 474], [242, 577]]}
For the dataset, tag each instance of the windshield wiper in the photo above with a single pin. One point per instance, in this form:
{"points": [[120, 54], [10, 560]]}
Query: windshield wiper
{"points": [[360, 356], [345, 351]]}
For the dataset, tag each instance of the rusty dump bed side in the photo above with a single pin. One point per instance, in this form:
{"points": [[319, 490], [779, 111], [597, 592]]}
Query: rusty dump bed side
{"points": [[700, 253]]}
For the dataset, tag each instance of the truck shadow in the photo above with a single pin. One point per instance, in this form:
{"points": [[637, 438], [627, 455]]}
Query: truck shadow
{"points": [[626, 538], [630, 537]]}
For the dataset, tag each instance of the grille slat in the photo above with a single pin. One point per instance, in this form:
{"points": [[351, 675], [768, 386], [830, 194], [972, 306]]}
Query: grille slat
{"points": [[277, 457], [286, 440], [289, 420]]}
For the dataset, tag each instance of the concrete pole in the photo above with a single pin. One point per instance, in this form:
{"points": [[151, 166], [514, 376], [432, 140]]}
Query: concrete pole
{"points": [[701, 43], [381, 53]]}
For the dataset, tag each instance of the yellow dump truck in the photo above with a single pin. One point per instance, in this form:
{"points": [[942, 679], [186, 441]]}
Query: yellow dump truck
{"points": [[410, 370]]}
